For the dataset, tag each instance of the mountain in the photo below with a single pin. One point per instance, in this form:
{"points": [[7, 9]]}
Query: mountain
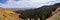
{"points": [[48, 11], [15, 9]]}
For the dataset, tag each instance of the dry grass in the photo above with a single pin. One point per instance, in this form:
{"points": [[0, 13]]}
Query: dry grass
{"points": [[56, 15], [8, 14]]}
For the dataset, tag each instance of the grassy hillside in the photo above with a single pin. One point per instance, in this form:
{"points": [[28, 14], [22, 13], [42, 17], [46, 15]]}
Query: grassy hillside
{"points": [[6, 14], [56, 15]]}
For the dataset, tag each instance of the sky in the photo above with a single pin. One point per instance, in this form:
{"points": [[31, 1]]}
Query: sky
{"points": [[26, 3]]}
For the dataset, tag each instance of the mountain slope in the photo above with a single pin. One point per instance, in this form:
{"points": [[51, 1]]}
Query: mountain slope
{"points": [[6, 14], [56, 15]]}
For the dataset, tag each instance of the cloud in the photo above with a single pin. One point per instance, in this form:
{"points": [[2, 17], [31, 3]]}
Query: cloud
{"points": [[27, 3]]}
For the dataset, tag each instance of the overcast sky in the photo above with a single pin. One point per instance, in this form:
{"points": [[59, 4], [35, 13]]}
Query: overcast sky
{"points": [[26, 3]]}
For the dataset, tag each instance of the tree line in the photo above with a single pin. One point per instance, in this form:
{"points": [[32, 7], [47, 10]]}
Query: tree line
{"points": [[43, 12]]}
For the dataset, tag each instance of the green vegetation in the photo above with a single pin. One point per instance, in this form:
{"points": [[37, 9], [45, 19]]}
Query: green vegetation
{"points": [[43, 12]]}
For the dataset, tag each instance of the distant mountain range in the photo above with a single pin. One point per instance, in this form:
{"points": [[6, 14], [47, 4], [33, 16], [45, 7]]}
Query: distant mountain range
{"points": [[17, 9]]}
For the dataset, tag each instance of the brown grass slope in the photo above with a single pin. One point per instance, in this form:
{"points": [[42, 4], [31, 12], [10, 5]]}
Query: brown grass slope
{"points": [[56, 15], [6, 14]]}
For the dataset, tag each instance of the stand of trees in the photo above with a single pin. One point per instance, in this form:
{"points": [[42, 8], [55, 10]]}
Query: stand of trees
{"points": [[43, 12]]}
